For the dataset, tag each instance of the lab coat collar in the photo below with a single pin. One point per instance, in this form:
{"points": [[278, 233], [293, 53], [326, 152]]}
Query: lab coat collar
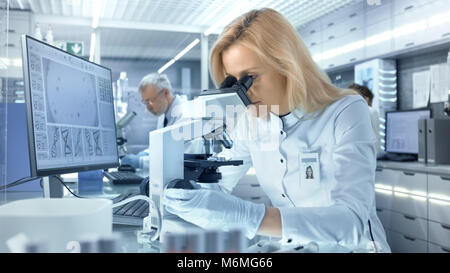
{"points": [[169, 115], [289, 120]]}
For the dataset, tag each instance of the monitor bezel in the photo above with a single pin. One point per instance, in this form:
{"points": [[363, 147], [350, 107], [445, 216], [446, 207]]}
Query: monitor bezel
{"points": [[401, 111], [35, 172]]}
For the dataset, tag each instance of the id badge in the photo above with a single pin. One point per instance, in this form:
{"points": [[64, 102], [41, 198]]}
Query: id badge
{"points": [[309, 168]]}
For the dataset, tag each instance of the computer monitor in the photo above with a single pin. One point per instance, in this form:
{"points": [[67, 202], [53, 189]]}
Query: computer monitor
{"points": [[402, 130], [70, 111]]}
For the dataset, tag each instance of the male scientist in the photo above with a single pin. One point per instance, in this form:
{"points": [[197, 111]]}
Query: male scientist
{"points": [[156, 94]]}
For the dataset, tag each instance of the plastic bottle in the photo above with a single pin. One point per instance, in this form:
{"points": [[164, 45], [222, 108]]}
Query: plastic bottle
{"points": [[49, 35], [122, 87], [37, 32]]}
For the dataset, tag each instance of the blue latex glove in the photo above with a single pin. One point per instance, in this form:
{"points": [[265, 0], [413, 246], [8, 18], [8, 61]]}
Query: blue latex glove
{"points": [[213, 209], [130, 159]]}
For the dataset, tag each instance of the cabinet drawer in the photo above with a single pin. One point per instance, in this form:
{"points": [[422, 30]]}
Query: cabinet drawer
{"points": [[408, 6], [383, 198], [401, 243], [375, 14], [439, 233], [410, 182], [439, 187], [413, 206], [409, 226], [378, 39], [385, 217], [439, 211], [386, 177], [433, 248]]}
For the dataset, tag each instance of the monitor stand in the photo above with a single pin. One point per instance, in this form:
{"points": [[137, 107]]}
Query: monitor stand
{"points": [[52, 187]]}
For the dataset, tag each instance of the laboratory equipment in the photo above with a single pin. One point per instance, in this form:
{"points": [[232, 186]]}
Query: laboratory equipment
{"points": [[53, 223], [121, 124], [169, 165], [70, 114], [402, 141], [438, 144]]}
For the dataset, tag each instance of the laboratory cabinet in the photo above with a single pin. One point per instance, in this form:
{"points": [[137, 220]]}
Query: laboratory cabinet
{"points": [[389, 28], [248, 188], [413, 204]]}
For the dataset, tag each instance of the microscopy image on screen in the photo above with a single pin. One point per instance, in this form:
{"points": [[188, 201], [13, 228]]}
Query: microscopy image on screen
{"points": [[39, 122], [54, 141], [77, 134], [36, 83], [89, 142], [109, 138], [71, 96], [35, 63], [96, 135], [66, 138], [107, 115], [38, 102], [41, 142]]}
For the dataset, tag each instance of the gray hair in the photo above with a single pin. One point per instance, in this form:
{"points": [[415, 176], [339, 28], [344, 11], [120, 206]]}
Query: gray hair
{"points": [[160, 81]]}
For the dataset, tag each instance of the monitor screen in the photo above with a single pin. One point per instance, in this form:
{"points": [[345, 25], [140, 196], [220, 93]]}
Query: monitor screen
{"points": [[70, 111], [402, 130]]}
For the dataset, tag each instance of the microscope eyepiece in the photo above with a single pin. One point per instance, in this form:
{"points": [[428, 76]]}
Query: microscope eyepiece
{"points": [[228, 82]]}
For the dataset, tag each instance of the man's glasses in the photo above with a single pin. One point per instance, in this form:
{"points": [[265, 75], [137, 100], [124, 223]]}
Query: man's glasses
{"points": [[151, 101]]}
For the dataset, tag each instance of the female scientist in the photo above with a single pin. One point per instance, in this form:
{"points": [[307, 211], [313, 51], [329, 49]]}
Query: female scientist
{"points": [[315, 124]]}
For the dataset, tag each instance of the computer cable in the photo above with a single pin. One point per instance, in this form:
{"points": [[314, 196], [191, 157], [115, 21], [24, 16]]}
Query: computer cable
{"points": [[64, 184], [18, 182]]}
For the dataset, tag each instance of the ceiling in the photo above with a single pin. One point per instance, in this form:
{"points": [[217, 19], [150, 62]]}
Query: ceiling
{"points": [[149, 29]]}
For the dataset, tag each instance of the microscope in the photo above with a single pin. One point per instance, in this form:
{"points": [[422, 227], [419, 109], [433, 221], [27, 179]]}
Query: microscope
{"points": [[120, 125], [171, 167]]}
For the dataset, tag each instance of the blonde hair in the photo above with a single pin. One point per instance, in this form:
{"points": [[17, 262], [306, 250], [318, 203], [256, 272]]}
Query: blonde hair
{"points": [[275, 41]]}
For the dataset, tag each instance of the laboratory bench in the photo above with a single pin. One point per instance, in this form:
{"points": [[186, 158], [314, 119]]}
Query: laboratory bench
{"points": [[413, 204]]}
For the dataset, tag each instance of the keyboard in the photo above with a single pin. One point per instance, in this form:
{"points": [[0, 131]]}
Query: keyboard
{"points": [[123, 177], [132, 213]]}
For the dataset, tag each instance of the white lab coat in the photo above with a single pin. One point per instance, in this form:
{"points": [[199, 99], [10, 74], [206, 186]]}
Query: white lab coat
{"points": [[338, 208], [374, 118]]}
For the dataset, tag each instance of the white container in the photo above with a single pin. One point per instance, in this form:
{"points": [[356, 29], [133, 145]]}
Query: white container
{"points": [[58, 223]]}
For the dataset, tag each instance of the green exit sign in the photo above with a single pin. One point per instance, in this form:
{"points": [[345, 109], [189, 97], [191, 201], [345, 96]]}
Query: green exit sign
{"points": [[75, 48]]}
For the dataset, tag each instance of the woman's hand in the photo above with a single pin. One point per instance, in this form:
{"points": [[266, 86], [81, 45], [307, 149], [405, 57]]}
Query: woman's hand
{"points": [[212, 209]]}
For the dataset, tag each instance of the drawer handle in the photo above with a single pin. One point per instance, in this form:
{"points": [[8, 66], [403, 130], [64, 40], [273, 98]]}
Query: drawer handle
{"points": [[409, 217], [445, 249], [409, 44], [409, 7], [379, 169], [352, 59], [10, 30], [410, 174], [331, 37], [312, 31], [353, 15], [254, 185], [313, 44], [408, 238], [446, 34], [445, 178], [353, 29], [10, 45], [256, 198], [445, 227], [380, 210], [331, 65], [331, 24]]}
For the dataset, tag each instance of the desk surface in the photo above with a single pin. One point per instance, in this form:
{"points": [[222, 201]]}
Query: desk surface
{"points": [[129, 234], [415, 167]]}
